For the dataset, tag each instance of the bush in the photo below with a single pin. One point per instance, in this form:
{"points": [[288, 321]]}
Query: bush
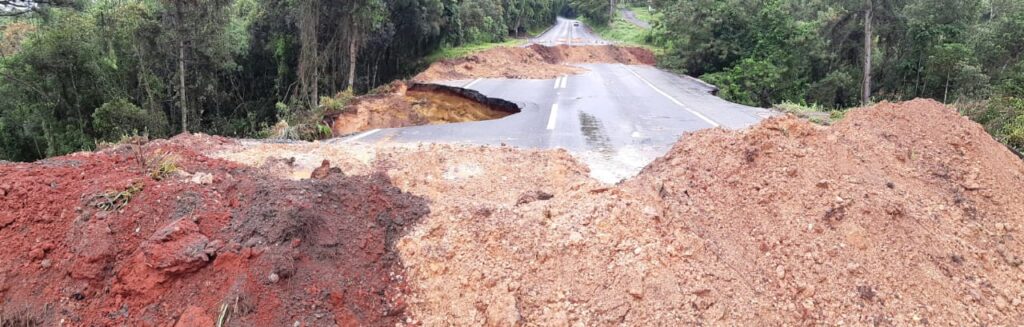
{"points": [[120, 117]]}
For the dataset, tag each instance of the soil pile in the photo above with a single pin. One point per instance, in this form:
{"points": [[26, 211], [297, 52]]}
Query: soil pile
{"points": [[900, 214], [419, 104], [535, 61], [160, 235]]}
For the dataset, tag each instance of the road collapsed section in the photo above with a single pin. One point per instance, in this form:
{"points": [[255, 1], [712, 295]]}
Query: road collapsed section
{"points": [[402, 105], [898, 214], [418, 102]]}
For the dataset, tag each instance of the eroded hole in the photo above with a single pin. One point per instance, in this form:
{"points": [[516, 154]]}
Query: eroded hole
{"points": [[441, 104], [418, 104]]}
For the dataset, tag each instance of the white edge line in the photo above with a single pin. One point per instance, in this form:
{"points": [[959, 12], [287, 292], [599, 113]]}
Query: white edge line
{"points": [[565, 80], [553, 117], [470, 84], [685, 107], [364, 134]]}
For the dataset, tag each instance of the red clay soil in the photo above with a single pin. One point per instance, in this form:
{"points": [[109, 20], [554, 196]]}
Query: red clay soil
{"points": [[387, 109], [216, 238], [533, 62], [901, 214], [400, 106]]}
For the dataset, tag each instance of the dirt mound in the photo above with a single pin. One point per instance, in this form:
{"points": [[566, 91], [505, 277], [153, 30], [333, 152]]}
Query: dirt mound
{"points": [[418, 104], [900, 214], [159, 234], [535, 61]]}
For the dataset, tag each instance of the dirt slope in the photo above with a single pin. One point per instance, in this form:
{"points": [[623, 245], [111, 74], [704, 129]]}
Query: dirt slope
{"points": [[901, 214], [215, 237], [535, 61]]}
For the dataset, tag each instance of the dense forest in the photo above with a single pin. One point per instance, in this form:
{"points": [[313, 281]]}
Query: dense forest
{"points": [[75, 73]]}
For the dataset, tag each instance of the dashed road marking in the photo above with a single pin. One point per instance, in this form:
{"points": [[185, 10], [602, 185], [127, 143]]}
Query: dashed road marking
{"points": [[357, 137], [565, 80], [470, 84], [685, 107], [558, 81], [553, 117]]}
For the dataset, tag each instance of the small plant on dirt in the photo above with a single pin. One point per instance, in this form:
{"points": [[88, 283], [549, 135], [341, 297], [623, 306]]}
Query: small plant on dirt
{"points": [[323, 131], [117, 200], [162, 165]]}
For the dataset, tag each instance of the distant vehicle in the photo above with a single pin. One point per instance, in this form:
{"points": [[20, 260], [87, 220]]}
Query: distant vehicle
{"points": [[577, 24]]}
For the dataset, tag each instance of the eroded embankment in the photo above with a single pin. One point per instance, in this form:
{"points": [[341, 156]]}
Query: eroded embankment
{"points": [[161, 235], [418, 104], [535, 61], [901, 214]]}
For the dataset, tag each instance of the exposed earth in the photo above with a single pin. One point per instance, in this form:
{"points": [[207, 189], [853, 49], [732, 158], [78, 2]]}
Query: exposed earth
{"points": [[400, 105], [535, 61], [900, 214]]}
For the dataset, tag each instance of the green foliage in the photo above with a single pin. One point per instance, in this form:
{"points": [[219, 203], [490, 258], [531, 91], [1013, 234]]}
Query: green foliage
{"points": [[1014, 131], [622, 31], [598, 11], [120, 117], [467, 49], [750, 82]]}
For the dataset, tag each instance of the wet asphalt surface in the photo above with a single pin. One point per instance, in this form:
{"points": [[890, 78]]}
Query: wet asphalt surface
{"points": [[615, 118]]}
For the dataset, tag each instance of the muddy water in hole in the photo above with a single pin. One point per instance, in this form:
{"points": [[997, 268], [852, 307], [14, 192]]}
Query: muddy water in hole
{"points": [[444, 108]]}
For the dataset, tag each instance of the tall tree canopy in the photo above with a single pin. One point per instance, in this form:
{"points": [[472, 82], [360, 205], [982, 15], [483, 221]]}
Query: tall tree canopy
{"points": [[75, 73]]}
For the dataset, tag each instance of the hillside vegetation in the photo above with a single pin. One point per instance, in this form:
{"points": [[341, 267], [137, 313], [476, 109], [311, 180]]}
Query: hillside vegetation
{"points": [[78, 73]]}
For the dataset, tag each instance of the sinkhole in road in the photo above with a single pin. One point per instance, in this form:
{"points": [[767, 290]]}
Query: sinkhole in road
{"points": [[441, 104], [402, 105]]}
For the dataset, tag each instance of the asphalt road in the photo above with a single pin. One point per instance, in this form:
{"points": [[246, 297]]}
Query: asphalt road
{"points": [[568, 32], [616, 118]]}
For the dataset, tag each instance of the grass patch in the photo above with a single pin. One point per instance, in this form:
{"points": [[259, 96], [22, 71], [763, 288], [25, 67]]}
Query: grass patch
{"points": [[813, 113], [117, 200], [626, 33], [465, 50], [162, 165]]}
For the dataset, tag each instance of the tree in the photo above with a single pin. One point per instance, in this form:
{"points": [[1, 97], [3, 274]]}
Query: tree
{"points": [[866, 87]]}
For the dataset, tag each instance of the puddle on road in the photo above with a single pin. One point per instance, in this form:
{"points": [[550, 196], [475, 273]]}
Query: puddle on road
{"points": [[595, 136]]}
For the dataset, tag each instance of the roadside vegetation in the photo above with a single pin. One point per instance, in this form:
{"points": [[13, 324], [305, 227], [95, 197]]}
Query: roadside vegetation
{"points": [[769, 53]]}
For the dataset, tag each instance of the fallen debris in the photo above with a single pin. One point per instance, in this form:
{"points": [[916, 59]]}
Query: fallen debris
{"points": [[898, 214], [533, 62]]}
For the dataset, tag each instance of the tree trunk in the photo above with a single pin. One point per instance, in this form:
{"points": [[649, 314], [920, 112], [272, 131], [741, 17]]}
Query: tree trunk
{"points": [[309, 53], [181, 79], [945, 93], [353, 51], [866, 91], [611, 11]]}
